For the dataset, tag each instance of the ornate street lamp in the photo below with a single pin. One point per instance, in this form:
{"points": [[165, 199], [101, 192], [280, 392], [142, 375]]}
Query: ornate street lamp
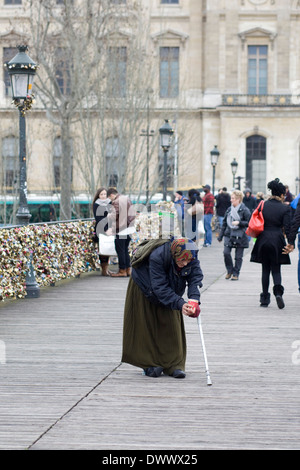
{"points": [[214, 156], [148, 133], [166, 133], [22, 70], [234, 165]]}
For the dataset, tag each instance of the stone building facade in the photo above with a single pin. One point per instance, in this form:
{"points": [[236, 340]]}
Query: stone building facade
{"points": [[226, 73]]}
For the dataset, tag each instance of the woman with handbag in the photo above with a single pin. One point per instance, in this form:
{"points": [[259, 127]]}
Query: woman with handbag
{"points": [[100, 210], [270, 243], [233, 230]]}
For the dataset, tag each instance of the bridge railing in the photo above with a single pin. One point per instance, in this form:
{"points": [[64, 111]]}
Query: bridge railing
{"points": [[57, 251]]}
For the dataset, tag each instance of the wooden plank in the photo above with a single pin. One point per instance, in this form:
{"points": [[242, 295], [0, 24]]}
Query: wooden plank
{"points": [[62, 385]]}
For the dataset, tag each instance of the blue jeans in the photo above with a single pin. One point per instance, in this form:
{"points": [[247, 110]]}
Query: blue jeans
{"points": [[207, 227], [299, 261]]}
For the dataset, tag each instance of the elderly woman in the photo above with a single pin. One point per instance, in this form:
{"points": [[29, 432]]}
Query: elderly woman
{"points": [[154, 335], [235, 224]]}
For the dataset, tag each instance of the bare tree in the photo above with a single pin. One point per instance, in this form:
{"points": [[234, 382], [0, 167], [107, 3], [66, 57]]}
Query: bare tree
{"points": [[93, 78]]}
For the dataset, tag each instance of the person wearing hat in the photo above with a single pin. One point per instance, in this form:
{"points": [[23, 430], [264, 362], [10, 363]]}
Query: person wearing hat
{"points": [[209, 204], [153, 329]]}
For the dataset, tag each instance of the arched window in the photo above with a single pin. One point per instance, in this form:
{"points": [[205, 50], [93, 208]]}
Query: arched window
{"points": [[256, 150]]}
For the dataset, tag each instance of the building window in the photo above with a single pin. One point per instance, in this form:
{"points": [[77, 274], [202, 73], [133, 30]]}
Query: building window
{"points": [[115, 160], [62, 71], [12, 2], [57, 157], [10, 150], [257, 70], [117, 71], [256, 147], [169, 72], [8, 54], [169, 1]]}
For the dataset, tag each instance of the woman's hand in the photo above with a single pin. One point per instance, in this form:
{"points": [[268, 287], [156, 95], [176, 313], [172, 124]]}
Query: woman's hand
{"points": [[187, 310], [288, 249]]}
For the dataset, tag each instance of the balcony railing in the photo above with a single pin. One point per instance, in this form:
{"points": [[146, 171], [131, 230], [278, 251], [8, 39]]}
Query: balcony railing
{"points": [[260, 100]]}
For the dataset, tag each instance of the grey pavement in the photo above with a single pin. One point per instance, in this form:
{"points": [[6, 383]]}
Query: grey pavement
{"points": [[63, 386]]}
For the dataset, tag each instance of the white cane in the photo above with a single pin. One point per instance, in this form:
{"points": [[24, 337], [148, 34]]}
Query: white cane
{"points": [[209, 382]]}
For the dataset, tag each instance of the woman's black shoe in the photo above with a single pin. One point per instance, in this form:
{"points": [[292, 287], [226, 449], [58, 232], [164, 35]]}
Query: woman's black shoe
{"points": [[265, 299], [153, 371], [278, 291], [178, 374]]}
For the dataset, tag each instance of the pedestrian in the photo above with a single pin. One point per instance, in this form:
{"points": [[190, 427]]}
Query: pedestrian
{"points": [[233, 230], [153, 332], [222, 204], [209, 205], [179, 202], [101, 207], [288, 195], [295, 228], [120, 219], [193, 214], [268, 248], [249, 200]]}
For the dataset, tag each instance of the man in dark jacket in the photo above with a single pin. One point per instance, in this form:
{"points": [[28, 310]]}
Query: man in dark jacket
{"points": [[222, 204]]}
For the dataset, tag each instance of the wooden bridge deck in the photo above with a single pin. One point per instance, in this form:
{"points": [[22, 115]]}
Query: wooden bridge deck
{"points": [[62, 385]]}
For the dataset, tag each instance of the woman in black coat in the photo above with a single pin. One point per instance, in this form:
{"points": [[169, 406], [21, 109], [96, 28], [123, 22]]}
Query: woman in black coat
{"points": [[268, 248], [233, 230]]}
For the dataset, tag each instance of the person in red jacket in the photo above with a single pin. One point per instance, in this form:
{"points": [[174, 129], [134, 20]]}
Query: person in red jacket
{"points": [[209, 204]]}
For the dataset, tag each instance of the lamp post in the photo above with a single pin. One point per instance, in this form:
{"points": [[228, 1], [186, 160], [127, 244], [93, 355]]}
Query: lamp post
{"points": [[166, 133], [22, 70], [214, 156], [234, 166], [147, 133]]}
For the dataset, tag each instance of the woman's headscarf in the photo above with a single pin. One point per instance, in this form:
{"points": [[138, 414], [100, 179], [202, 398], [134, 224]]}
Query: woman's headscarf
{"points": [[183, 249]]}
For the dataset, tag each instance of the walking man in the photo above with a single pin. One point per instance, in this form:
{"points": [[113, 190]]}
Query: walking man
{"points": [[209, 203]]}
